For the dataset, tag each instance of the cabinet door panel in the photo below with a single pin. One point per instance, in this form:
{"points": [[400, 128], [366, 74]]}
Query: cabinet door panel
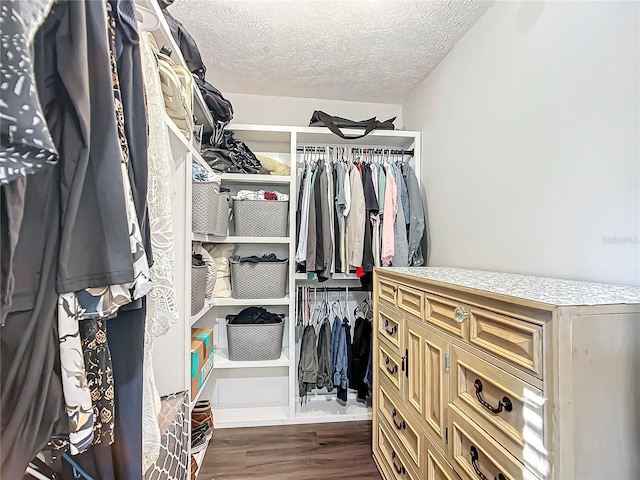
{"points": [[414, 368], [436, 385]]}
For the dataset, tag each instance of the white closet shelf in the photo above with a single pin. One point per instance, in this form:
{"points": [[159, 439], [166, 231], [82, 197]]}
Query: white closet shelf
{"points": [[199, 394], [233, 302], [221, 360], [242, 178], [201, 313], [180, 143], [321, 408], [250, 416], [203, 237]]}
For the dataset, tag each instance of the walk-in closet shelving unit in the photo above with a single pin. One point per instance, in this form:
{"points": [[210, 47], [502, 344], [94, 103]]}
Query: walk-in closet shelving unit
{"points": [[266, 393]]}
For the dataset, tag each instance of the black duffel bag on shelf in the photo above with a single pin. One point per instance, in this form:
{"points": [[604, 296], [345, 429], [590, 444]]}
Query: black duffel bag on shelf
{"points": [[333, 123], [231, 156]]}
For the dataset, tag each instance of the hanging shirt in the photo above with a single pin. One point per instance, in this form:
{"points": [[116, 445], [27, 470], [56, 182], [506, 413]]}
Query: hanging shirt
{"points": [[301, 251], [345, 214], [400, 243], [371, 209], [382, 181], [417, 220], [391, 207], [356, 219]]}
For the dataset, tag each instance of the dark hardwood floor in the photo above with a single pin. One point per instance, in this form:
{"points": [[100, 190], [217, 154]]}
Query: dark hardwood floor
{"points": [[294, 452]]}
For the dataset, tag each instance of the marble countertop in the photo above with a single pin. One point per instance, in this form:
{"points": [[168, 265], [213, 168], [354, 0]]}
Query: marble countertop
{"points": [[551, 291]]}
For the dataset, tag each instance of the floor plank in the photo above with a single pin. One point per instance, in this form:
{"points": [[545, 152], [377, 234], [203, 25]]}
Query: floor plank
{"points": [[292, 452]]}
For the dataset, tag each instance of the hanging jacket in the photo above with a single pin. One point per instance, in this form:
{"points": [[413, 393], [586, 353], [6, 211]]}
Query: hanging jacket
{"points": [[339, 359], [417, 220], [308, 365], [371, 209], [400, 243], [324, 356], [361, 351], [356, 220]]}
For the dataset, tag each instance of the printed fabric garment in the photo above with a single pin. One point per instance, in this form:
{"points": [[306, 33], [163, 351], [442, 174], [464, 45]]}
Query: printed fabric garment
{"points": [[388, 222], [324, 379], [26, 143], [97, 360], [75, 385], [308, 364]]}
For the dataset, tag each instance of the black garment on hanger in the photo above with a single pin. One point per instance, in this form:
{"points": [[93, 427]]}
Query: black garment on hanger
{"points": [[319, 233], [361, 350], [31, 396], [129, 64], [371, 207], [73, 76]]}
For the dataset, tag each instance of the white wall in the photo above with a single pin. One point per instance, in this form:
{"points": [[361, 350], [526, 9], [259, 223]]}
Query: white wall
{"points": [[531, 142], [267, 110]]}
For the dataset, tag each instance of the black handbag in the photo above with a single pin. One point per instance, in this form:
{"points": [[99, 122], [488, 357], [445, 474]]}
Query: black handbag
{"points": [[333, 123]]}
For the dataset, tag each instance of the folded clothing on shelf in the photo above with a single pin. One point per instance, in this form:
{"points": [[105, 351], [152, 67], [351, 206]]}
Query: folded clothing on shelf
{"points": [[254, 315], [260, 195], [267, 257]]}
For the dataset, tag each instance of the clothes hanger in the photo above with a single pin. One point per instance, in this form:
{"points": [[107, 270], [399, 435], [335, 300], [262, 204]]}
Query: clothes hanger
{"points": [[148, 20]]}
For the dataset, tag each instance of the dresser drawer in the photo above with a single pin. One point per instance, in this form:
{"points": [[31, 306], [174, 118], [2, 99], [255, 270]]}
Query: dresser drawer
{"points": [[390, 366], [392, 455], [517, 341], [448, 314], [390, 327], [411, 301], [474, 453], [402, 426], [436, 466], [503, 405], [387, 291]]}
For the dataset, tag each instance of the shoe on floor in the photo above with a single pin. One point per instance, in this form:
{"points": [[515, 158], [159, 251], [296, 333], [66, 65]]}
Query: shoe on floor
{"points": [[194, 467], [199, 442], [202, 428], [200, 417]]}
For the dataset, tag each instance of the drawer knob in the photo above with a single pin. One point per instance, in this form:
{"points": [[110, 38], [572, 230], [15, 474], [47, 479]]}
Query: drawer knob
{"points": [[460, 314], [505, 403], [400, 426], [391, 331], [393, 370], [400, 470], [395, 289], [473, 451]]}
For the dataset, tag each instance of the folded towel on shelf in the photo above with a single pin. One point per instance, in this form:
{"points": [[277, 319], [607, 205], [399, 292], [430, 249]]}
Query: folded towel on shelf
{"points": [[259, 195]]}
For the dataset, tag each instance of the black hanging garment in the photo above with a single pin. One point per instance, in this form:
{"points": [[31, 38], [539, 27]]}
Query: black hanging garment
{"points": [[361, 349]]}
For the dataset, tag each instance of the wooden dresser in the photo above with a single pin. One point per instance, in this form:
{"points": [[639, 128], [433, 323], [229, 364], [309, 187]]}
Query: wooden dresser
{"points": [[481, 375]]}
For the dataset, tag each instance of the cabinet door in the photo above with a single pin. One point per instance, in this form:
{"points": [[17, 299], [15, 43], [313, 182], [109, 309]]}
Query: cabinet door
{"points": [[436, 385], [413, 367]]}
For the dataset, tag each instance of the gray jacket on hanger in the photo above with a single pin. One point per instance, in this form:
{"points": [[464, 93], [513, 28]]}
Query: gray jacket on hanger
{"points": [[324, 356], [416, 219]]}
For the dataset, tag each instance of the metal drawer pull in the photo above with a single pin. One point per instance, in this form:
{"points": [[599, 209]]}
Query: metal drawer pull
{"points": [[393, 330], [400, 470], [505, 403], [473, 451], [460, 314], [393, 370], [400, 426]]}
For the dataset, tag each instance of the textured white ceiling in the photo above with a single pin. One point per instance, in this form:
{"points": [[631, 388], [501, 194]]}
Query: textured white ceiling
{"points": [[359, 50]]}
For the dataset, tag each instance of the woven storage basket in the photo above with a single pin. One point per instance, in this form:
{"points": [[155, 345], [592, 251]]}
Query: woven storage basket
{"points": [[255, 342], [259, 280], [261, 218], [210, 210], [198, 284]]}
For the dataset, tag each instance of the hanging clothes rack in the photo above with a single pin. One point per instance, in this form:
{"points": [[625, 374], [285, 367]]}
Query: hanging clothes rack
{"points": [[362, 149]]}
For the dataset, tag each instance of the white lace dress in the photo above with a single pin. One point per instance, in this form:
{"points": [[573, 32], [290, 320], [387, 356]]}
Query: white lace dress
{"points": [[162, 311]]}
